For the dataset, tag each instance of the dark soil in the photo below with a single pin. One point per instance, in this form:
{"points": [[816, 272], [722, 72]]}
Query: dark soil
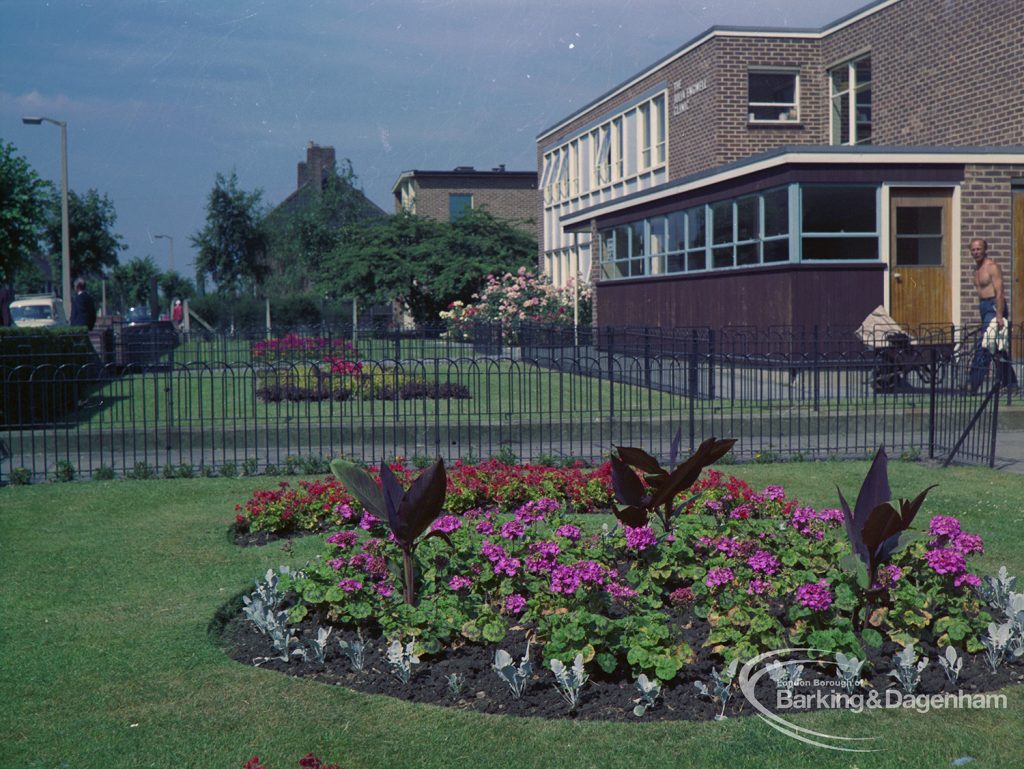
{"points": [[259, 538], [605, 697]]}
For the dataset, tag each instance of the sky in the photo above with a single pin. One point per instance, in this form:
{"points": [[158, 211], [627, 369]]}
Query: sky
{"points": [[161, 95]]}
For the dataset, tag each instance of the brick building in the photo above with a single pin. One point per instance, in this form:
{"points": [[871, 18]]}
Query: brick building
{"points": [[776, 177], [444, 195]]}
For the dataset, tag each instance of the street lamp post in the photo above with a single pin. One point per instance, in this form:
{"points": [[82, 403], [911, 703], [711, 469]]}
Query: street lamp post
{"points": [[170, 250], [65, 238]]}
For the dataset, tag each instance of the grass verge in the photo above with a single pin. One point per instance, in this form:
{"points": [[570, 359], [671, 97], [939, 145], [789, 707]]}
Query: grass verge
{"points": [[107, 660]]}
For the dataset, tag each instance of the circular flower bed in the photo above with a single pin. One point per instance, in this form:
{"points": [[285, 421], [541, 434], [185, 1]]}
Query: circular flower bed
{"points": [[502, 600]]}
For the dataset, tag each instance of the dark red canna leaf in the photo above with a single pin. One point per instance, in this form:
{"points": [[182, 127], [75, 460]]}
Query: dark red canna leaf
{"points": [[362, 486], [627, 485], [689, 471], [421, 504], [640, 459]]}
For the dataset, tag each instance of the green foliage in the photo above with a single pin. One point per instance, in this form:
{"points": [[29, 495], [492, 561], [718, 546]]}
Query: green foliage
{"points": [[228, 470], [64, 472], [141, 471], [232, 245], [306, 228], [103, 473], [21, 476], [423, 263], [224, 311], [24, 198], [94, 244], [173, 286], [131, 283]]}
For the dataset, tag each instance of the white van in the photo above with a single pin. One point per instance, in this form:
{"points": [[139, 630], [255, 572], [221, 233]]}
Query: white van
{"points": [[38, 312]]}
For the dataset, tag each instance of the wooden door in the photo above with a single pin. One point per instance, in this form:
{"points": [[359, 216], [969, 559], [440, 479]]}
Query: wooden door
{"points": [[920, 258]]}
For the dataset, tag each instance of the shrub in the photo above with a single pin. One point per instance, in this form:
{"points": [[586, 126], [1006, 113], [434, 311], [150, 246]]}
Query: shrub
{"points": [[103, 473], [21, 476], [64, 472], [141, 472]]}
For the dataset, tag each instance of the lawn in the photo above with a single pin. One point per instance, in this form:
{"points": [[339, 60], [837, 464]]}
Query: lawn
{"points": [[107, 660]]}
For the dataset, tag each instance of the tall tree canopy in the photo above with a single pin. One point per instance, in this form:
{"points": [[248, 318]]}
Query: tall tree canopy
{"points": [[94, 245], [173, 286], [310, 224], [422, 263], [23, 205], [233, 243], [132, 282]]}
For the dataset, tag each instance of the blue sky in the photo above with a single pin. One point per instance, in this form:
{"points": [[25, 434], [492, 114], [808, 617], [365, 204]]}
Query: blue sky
{"points": [[160, 95]]}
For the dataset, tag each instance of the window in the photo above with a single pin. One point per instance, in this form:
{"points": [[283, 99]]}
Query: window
{"points": [[839, 223], [851, 102], [458, 205], [919, 236], [772, 97]]}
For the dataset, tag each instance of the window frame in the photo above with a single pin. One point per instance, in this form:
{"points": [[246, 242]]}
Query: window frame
{"points": [[847, 97], [792, 109]]}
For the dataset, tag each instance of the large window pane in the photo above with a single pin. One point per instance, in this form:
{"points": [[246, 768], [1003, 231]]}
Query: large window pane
{"points": [[676, 231], [839, 209], [721, 257], [696, 228], [721, 222], [638, 240], [748, 212], [697, 260], [776, 212], [748, 254], [776, 250]]}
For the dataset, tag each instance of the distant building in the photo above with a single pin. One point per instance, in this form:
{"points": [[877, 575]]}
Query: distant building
{"points": [[312, 178], [445, 195], [778, 177]]}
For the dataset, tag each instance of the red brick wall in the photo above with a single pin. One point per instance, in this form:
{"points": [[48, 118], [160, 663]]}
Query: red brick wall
{"points": [[504, 198]]}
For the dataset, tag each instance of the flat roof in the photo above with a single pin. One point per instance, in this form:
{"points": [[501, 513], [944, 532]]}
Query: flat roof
{"points": [[724, 31], [462, 173], [805, 154]]}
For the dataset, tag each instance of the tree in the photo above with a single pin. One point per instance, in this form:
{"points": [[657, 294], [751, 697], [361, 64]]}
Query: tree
{"points": [[23, 202], [131, 282], [233, 243], [307, 226], [176, 286], [94, 245], [423, 263]]}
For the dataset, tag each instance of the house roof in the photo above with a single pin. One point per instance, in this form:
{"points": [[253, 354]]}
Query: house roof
{"points": [[462, 173]]}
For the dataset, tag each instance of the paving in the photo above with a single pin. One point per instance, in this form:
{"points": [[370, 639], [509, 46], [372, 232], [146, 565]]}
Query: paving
{"points": [[1010, 451]]}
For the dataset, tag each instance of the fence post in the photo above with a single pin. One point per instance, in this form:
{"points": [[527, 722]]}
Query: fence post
{"points": [[933, 366], [711, 364], [691, 389], [817, 370], [611, 374], [647, 359]]}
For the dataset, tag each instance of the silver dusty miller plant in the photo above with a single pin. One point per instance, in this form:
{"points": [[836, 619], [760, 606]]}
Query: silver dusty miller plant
{"points": [[316, 649], [402, 659], [456, 682], [951, 664], [849, 669], [570, 681], [354, 651], [907, 669], [261, 607], [649, 690], [515, 677], [721, 686], [785, 674], [996, 642]]}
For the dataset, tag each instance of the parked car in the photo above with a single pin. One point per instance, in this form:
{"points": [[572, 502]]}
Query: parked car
{"points": [[38, 312]]}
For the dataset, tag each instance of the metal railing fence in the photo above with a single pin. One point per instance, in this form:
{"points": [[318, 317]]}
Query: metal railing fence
{"points": [[554, 398]]}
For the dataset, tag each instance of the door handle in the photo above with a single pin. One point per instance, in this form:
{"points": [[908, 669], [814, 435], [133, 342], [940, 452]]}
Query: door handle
{"points": [[898, 276]]}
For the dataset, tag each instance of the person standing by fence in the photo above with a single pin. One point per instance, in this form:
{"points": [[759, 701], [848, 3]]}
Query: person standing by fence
{"points": [[83, 309], [988, 282]]}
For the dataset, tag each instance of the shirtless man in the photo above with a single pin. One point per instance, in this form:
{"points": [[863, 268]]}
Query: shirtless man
{"points": [[988, 282]]}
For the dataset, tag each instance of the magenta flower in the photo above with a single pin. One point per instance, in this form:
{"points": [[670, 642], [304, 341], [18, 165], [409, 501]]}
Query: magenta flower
{"points": [[967, 579], [713, 505], [944, 526], [968, 544], [384, 589], [447, 524], [535, 510], [515, 604], [485, 527], [546, 549], [350, 585], [764, 562], [570, 532], [640, 538], [773, 493], [889, 575], [616, 590], [759, 586], [512, 530], [507, 566], [337, 563], [343, 538], [681, 596], [720, 575], [946, 561], [815, 596], [492, 552], [344, 511], [730, 546], [458, 582], [741, 512], [367, 521]]}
